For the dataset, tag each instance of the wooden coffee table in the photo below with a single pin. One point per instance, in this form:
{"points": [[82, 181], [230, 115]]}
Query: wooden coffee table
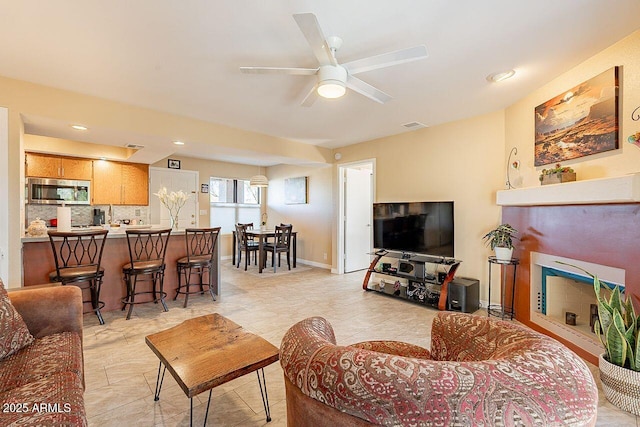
{"points": [[204, 352]]}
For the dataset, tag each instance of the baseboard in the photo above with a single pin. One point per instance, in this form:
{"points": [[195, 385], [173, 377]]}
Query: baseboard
{"points": [[313, 264], [298, 261]]}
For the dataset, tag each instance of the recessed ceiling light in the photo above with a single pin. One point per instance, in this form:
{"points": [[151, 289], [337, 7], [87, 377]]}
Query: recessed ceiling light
{"points": [[79, 127], [501, 76], [178, 142]]}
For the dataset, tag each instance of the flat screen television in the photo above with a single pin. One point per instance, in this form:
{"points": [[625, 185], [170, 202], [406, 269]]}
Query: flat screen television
{"points": [[418, 227]]}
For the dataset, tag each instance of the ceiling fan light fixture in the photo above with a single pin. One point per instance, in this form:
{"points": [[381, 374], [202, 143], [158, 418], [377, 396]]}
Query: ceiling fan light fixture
{"points": [[331, 89]]}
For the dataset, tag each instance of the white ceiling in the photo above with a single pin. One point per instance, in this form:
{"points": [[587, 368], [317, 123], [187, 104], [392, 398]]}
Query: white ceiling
{"points": [[183, 57]]}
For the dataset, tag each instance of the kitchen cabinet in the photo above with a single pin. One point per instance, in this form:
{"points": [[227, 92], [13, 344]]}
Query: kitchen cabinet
{"points": [[51, 166], [116, 183]]}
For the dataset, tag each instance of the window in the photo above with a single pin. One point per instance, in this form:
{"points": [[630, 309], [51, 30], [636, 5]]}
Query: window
{"points": [[233, 201]]}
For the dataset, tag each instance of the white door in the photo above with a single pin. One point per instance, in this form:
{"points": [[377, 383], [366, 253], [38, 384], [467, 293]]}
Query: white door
{"points": [[174, 180], [358, 210]]}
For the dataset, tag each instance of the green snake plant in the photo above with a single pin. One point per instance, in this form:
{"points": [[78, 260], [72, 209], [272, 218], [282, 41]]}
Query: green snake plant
{"points": [[617, 327]]}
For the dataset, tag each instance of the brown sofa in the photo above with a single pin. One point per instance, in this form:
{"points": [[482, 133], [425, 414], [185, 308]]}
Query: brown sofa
{"points": [[479, 371], [42, 383]]}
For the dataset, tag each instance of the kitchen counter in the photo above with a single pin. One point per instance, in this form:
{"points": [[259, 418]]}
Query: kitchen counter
{"points": [[113, 232], [37, 263]]}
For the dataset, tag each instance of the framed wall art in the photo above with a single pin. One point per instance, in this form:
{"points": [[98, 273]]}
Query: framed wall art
{"points": [[579, 122], [173, 164], [295, 190]]}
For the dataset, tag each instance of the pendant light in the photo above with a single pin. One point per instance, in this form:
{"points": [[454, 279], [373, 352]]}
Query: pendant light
{"points": [[259, 181]]}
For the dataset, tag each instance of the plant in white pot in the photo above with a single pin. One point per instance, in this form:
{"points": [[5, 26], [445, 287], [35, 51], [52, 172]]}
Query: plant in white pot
{"points": [[618, 329], [500, 240]]}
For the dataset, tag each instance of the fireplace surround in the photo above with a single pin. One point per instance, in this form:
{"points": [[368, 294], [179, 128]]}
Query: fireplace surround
{"points": [[606, 232]]}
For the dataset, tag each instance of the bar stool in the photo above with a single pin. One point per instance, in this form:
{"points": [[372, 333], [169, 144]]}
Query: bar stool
{"points": [[201, 245], [77, 256], [147, 249]]}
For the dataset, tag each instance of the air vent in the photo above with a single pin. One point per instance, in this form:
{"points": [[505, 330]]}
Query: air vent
{"points": [[414, 125], [134, 146]]}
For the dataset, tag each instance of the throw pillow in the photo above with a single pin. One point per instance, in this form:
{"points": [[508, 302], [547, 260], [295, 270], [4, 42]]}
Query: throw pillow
{"points": [[13, 331]]}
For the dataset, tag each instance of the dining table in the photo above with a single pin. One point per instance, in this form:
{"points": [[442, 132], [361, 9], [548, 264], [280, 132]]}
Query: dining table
{"points": [[262, 235]]}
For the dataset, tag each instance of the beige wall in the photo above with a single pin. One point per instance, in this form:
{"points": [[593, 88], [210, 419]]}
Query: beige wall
{"points": [[312, 220], [462, 161], [520, 130]]}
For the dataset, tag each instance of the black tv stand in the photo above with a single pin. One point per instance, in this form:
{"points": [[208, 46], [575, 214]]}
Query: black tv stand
{"points": [[422, 287]]}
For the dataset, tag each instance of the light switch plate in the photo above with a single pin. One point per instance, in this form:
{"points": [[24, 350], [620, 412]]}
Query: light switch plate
{"points": [[203, 211]]}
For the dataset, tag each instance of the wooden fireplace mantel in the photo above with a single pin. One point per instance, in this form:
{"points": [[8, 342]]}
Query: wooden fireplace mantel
{"points": [[620, 189]]}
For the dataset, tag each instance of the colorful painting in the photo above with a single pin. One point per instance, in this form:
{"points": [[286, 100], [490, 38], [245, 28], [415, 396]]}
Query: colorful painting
{"points": [[579, 122]]}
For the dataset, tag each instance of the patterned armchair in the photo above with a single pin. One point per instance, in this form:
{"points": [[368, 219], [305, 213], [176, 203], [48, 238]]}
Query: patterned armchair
{"points": [[479, 371]]}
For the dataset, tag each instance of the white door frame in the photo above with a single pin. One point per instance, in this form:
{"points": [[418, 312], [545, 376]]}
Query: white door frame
{"points": [[341, 205]]}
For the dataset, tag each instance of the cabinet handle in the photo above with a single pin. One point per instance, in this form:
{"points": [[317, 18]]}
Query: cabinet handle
{"points": [[62, 169]]}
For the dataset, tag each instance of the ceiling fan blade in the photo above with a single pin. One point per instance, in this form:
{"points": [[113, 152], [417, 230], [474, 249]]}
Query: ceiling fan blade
{"points": [[309, 26], [311, 97], [365, 89], [279, 70], [386, 59]]}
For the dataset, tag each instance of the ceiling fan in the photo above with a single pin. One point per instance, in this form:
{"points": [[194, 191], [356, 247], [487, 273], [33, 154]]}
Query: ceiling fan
{"points": [[333, 78]]}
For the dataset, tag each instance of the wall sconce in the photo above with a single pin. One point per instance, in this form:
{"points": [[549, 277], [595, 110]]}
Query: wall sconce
{"points": [[512, 165]]}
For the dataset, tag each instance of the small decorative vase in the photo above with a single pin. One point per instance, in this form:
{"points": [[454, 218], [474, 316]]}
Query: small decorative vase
{"points": [[621, 386], [174, 221]]}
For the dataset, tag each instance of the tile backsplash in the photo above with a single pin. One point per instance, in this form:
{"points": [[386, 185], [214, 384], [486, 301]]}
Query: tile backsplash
{"points": [[83, 215]]}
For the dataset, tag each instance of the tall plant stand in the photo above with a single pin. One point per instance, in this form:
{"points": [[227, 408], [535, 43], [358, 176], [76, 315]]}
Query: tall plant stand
{"points": [[501, 310]]}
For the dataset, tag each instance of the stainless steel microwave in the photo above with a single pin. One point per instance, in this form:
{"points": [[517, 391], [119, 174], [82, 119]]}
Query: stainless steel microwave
{"points": [[58, 191]]}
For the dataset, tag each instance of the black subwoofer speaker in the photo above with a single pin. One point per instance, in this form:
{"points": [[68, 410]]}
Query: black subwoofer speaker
{"points": [[464, 294]]}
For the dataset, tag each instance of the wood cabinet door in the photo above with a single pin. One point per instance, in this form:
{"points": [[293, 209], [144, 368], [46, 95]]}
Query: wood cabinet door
{"points": [[107, 183], [43, 166], [75, 168], [135, 182]]}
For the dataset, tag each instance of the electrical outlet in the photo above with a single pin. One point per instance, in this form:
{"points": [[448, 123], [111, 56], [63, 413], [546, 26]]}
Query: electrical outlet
{"points": [[137, 212], [325, 256]]}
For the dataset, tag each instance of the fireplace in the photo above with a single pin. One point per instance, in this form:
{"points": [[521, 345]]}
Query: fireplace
{"points": [[557, 289], [566, 225]]}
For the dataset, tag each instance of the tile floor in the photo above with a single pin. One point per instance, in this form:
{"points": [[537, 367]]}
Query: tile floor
{"points": [[120, 370]]}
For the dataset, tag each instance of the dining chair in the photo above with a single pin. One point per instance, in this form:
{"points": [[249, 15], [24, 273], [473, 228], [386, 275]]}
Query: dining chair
{"points": [[247, 245], [77, 256], [201, 245], [280, 244], [147, 249]]}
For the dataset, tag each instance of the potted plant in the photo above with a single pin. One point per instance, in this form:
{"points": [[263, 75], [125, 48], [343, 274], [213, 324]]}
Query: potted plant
{"points": [[618, 329], [500, 240], [557, 175]]}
